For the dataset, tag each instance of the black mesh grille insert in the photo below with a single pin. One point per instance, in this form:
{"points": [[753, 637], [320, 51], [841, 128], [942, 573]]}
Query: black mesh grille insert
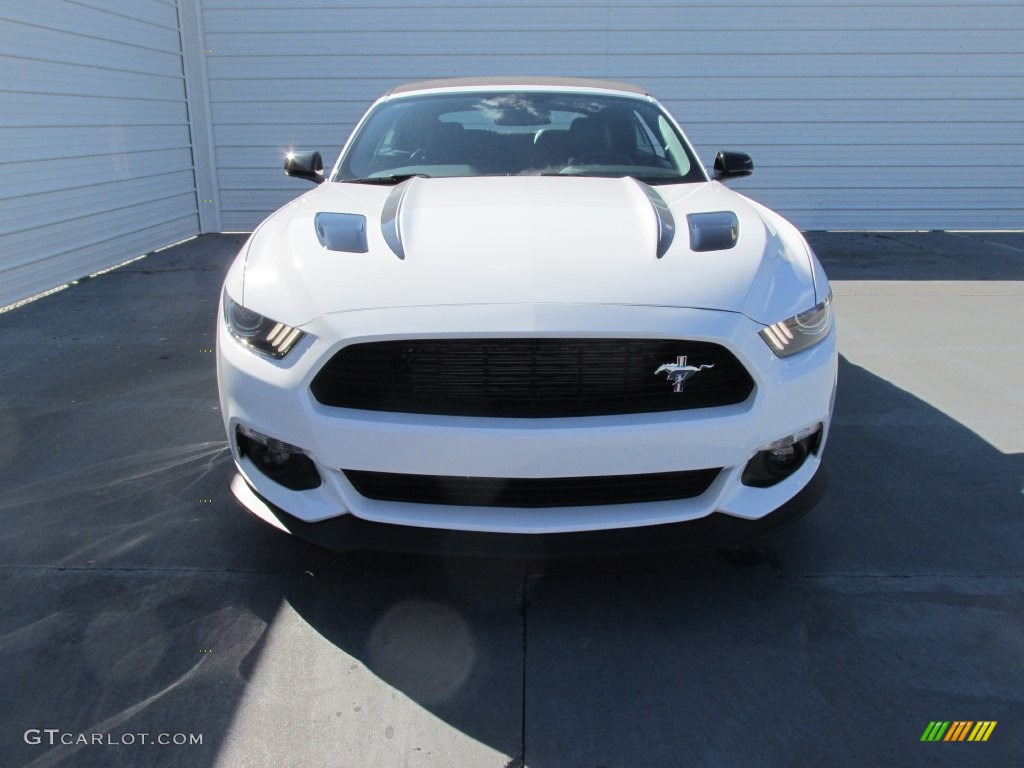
{"points": [[532, 492], [527, 378]]}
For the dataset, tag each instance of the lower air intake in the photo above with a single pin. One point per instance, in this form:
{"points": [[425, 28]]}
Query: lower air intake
{"points": [[531, 492]]}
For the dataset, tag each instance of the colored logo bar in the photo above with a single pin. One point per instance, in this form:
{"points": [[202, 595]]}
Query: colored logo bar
{"points": [[958, 730]]}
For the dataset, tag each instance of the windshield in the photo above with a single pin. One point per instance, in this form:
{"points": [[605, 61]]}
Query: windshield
{"points": [[522, 133]]}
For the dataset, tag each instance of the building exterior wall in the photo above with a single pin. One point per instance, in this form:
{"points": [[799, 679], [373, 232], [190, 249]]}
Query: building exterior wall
{"points": [[97, 160], [130, 125], [864, 114]]}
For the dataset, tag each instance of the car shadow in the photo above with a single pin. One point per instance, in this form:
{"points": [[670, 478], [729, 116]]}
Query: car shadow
{"points": [[913, 495]]}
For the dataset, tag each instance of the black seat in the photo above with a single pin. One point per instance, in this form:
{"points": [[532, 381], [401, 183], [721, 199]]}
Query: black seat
{"points": [[447, 145], [551, 148]]}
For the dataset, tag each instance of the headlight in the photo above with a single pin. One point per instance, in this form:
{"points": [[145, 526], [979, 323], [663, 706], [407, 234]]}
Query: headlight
{"points": [[261, 334], [797, 333]]}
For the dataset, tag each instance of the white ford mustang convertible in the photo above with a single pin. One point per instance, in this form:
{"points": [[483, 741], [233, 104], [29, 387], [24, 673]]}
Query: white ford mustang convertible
{"points": [[522, 310]]}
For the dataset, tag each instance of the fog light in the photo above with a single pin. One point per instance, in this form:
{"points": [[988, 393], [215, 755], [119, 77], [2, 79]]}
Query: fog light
{"points": [[282, 462], [779, 459]]}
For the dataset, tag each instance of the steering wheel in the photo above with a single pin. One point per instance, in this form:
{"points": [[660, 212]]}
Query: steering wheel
{"points": [[419, 156]]}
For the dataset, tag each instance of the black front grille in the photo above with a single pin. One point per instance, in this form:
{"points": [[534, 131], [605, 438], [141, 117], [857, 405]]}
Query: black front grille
{"points": [[528, 378], [532, 492]]}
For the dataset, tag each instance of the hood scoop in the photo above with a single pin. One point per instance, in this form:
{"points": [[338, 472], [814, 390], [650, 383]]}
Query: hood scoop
{"points": [[341, 232], [716, 231]]}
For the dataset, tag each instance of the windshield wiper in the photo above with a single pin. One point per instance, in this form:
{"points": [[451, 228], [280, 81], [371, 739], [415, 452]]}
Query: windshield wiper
{"points": [[396, 178], [652, 180], [655, 181]]}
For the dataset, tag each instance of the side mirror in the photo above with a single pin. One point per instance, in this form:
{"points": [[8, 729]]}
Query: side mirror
{"points": [[732, 165], [305, 165]]}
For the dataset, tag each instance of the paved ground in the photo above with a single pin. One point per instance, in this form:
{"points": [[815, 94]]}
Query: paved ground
{"points": [[137, 599]]}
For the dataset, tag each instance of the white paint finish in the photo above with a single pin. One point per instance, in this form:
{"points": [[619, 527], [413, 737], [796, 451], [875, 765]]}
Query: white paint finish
{"points": [[99, 164], [869, 87], [553, 230], [274, 399], [524, 256]]}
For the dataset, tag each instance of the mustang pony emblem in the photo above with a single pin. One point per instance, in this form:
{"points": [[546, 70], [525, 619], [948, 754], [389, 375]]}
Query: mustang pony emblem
{"points": [[679, 372]]}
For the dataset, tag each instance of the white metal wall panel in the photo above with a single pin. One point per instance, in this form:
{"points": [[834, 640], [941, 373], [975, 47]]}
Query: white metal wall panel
{"points": [[97, 164], [866, 114]]}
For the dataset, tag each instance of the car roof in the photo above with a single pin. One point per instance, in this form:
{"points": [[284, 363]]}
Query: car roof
{"points": [[508, 83]]}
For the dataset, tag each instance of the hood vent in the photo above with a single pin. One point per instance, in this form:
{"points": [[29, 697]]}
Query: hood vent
{"points": [[341, 232], [666, 223], [389, 219], [718, 231]]}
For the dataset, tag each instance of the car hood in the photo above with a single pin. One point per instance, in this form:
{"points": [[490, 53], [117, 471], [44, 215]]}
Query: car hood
{"points": [[526, 239]]}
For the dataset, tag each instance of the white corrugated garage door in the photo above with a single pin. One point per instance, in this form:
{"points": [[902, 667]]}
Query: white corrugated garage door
{"points": [[867, 114], [97, 163]]}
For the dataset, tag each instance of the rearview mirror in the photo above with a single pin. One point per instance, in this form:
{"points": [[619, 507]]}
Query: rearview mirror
{"points": [[305, 165], [732, 165]]}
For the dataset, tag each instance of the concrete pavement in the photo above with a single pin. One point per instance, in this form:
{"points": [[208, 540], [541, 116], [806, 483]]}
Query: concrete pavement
{"points": [[137, 598]]}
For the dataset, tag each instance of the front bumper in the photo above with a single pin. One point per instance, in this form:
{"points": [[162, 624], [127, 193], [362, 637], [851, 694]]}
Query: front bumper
{"points": [[347, 533], [274, 398]]}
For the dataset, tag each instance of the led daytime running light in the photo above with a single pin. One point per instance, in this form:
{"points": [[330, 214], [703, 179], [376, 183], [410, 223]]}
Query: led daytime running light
{"points": [[260, 334], [801, 331]]}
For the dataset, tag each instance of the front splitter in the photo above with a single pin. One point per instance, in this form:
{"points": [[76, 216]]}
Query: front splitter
{"points": [[348, 533]]}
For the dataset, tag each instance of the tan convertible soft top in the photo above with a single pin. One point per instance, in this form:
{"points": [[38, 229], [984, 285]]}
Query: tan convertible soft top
{"points": [[512, 82]]}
